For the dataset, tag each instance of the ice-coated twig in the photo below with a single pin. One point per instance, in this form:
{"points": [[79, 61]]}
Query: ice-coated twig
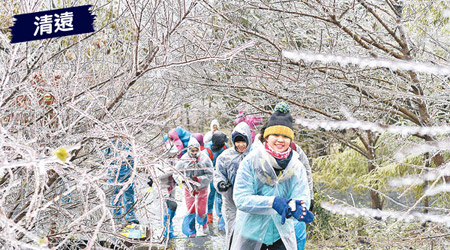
{"points": [[374, 127], [442, 188], [367, 62], [367, 212], [10, 228], [419, 179], [421, 148]]}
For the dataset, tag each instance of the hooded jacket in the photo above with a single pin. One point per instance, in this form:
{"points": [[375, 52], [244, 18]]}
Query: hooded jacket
{"points": [[255, 187], [303, 159], [180, 138], [209, 134], [226, 167], [251, 120], [201, 167]]}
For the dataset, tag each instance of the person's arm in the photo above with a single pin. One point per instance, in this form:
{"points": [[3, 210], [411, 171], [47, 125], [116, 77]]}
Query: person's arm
{"points": [[244, 195], [179, 167], [207, 138], [220, 174], [207, 166], [299, 187], [304, 160]]}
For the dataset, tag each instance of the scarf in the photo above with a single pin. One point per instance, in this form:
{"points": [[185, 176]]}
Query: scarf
{"points": [[277, 155]]}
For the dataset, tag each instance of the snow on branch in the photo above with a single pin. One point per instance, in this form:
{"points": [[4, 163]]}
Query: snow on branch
{"points": [[417, 179], [367, 62], [367, 212], [441, 188], [446, 13], [374, 127], [421, 148]]}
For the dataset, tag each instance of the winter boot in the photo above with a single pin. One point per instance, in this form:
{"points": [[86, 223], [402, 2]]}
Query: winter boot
{"points": [[210, 218], [171, 234], [221, 226], [170, 226], [188, 225]]}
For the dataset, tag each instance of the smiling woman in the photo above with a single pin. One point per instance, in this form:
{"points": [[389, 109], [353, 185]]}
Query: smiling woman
{"points": [[271, 191], [279, 143]]}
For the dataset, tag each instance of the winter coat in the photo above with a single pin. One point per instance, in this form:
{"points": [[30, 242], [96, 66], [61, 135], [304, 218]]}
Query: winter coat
{"points": [[180, 138], [304, 160], [226, 167], [255, 187], [251, 120], [201, 167], [209, 134]]}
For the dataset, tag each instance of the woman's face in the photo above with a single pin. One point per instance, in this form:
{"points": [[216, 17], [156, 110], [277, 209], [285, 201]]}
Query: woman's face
{"points": [[279, 143], [240, 146]]}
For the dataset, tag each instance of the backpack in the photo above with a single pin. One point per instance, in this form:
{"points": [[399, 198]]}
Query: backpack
{"points": [[210, 153]]}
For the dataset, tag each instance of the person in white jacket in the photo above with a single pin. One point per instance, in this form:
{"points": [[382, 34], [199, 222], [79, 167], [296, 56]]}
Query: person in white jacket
{"points": [[214, 125], [227, 165], [197, 170]]}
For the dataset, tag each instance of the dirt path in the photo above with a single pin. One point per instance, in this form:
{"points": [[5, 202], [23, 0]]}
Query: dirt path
{"points": [[212, 241]]}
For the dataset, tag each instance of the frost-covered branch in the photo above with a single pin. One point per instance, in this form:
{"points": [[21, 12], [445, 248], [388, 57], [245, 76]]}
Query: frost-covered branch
{"points": [[374, 127], [419, 179], [372, 213], [366, 62]]}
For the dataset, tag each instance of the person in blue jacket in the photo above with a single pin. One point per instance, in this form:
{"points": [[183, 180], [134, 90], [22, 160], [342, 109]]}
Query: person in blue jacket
{"points": [[214, 148], [271, 190], [119, 153], [300, 226]]}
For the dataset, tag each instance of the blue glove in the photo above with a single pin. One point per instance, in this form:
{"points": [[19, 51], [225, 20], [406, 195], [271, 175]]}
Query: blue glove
{"points": [[301, 213], [281, 205]]}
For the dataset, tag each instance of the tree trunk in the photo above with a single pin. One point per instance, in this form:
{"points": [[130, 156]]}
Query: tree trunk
{"points": [[377, 202]]}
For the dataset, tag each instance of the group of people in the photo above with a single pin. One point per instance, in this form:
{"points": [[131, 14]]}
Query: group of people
{"points": [[261, 186]]}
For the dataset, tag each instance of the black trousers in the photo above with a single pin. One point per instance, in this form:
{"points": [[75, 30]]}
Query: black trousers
{"points": [[277, 245]]}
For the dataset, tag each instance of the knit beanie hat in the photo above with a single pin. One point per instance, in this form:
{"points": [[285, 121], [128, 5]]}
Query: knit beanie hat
{"points": [[280, 122]]}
